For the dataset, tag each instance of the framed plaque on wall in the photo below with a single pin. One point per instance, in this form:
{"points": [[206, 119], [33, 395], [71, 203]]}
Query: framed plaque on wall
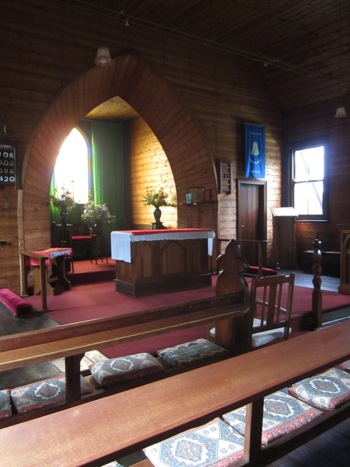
{"points": [[8, 164]]}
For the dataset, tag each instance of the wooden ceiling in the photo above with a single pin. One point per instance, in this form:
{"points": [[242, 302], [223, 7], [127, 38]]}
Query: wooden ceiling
{"points": [[300, 47]]}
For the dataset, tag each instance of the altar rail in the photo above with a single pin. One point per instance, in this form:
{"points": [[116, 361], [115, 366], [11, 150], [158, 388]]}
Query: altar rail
{"points": [[112, 427]]}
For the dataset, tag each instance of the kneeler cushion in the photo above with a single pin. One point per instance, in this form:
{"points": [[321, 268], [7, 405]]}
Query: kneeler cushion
{"points": [[344, 366], [215, 444], [114, 370], [326, 391], [188, 352], [16, 304], [44, 393], [5, 403], [112, 464], [282, 415]]}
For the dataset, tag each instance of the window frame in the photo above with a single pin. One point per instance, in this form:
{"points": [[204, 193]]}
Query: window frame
{"points": [[307, 145]]}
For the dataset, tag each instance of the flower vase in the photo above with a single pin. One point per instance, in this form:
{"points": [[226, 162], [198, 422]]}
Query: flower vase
{"points": [[64, 237], [157, 215], [98, 227], [64, 216]]}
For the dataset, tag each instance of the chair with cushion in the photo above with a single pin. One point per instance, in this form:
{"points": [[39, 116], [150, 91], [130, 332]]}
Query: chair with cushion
{"points": [[80, 239], [271, 307]]}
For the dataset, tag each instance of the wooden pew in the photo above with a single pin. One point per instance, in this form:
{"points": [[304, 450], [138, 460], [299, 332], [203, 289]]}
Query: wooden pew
{"points": [[73, 340], [109, 428]]}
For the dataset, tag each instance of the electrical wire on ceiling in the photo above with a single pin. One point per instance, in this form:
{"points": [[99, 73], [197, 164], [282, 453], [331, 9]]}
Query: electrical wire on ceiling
{"points": [[130, 20]]}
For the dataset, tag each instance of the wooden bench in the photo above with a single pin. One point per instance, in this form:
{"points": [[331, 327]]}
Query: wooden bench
{"points": [[73, 340], [120, 424]]}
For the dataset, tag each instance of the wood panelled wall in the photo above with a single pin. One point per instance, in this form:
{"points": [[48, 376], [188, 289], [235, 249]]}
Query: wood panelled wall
{"points": [[314, 124], [148, 168], [193, 98]]}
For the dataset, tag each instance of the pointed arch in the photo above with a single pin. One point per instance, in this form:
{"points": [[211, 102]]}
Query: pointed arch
{"points": [[152, 97]]}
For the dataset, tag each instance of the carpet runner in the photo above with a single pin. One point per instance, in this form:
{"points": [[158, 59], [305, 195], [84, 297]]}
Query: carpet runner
{"points": [[92, 301]]}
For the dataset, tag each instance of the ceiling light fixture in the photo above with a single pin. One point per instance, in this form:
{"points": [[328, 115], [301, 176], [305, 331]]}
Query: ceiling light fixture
{"points": [[103, 57], [341, 112]]}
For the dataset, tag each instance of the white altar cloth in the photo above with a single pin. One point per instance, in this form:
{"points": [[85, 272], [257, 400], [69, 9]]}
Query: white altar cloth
{"points": [[121, 239]]}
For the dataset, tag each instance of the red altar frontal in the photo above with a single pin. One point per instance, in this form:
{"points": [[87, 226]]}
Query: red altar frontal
{"points": [[156, 261]]}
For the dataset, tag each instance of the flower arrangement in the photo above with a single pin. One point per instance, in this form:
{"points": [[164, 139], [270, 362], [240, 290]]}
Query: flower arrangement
{"points": [[64, 200], [156, 198], [96, 213]]}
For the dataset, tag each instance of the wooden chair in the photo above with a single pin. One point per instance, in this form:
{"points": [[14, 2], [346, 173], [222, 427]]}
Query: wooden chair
{"points": [[79, 236], [271, 307]]}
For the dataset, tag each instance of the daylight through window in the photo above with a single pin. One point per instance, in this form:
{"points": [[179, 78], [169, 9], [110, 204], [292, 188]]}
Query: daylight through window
{"points": [[72, 167], [309, 173]]}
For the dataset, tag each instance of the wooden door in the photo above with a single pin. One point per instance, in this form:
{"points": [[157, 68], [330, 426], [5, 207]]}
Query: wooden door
{"points": [[251, 216]]}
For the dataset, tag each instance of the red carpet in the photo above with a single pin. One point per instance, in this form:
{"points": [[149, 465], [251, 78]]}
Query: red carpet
{"points": [[98, 300]]}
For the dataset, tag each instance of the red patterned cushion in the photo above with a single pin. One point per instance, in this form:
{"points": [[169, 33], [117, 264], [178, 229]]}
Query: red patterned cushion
{"points": [[44, 393], [188, 352], [282, 415], [325, 391], [5, 403], [114, 370], [214, 444], [344, 366]]}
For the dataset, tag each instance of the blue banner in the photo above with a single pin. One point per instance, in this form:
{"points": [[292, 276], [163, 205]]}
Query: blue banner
{"points": [[254, 143]]}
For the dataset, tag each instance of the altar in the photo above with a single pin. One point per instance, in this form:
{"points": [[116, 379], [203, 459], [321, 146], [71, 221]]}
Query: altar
{"points": [[157, 261]]}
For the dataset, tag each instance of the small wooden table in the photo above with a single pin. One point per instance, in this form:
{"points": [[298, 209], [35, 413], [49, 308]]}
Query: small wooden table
{"points": [[42, 259]]}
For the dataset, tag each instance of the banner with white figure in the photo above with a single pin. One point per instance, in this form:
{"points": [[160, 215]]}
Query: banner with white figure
{"points": [[254, 143]]}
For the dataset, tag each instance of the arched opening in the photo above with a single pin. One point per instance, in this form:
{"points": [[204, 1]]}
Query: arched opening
{"points": [[74, 154], [152, 97]]}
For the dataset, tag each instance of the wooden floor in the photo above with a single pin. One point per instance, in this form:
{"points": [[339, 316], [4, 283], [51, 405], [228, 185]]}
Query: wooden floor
{"points": [[331, 449]]}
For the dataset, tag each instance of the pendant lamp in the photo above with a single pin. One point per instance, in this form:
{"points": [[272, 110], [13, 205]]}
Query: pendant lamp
{"points": [[103, 57]]}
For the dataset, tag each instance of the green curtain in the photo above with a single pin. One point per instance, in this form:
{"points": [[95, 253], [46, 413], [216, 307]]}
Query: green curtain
{"points": [[108, 168]]}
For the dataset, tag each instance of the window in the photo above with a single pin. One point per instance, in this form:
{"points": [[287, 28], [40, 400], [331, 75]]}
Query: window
{"points": [[309, 169], [72, 167]]}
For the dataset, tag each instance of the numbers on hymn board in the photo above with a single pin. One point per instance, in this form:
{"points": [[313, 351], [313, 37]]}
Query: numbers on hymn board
{"points": [[7, 164]]}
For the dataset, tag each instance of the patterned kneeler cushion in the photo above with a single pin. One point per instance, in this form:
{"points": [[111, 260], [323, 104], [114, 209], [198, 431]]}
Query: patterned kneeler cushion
{"points": [[325, 391], [119, 369], [189, 352], [282, 415], [5, 403], [344, 366], [112, 464], [44, 393], [213, 444]]}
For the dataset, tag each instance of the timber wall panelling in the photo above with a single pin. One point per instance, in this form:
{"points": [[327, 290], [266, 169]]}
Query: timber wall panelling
{"points": [[193, 98]]}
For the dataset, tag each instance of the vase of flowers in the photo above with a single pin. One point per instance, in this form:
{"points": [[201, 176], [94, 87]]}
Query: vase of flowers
{"points": [[64, 202], [96, 215], [156, 198]]}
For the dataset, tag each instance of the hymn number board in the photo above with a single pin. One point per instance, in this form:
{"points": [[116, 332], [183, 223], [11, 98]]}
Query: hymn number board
{"points": [[7, 164]]}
